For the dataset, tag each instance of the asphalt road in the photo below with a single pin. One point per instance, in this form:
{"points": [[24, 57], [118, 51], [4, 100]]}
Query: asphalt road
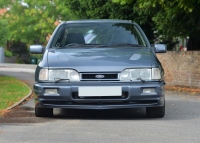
{"points": [[180, 125]]}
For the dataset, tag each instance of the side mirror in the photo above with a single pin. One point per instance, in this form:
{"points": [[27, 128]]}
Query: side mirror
{"points": [[160, 48], [36, 49]]}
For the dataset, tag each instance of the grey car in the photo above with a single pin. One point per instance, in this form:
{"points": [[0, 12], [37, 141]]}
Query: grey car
{"points": [[99, 64]]}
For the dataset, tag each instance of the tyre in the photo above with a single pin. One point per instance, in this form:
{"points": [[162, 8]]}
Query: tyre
{"points": [[43, 112], [155, 112]]}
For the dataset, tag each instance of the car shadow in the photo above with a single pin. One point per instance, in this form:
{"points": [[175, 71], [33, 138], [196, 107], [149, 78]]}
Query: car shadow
{"points": [[111, 114]]}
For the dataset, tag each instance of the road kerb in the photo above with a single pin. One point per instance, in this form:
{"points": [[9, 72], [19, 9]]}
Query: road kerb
{"points": [[23, 99]]}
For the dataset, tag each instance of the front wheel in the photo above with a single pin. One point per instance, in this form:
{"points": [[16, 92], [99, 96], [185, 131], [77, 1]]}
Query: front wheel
{"points": [[155, 112], [43, 112]]}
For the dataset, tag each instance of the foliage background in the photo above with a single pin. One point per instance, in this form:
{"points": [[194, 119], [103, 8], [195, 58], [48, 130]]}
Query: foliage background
{"points": [[32, 21]]}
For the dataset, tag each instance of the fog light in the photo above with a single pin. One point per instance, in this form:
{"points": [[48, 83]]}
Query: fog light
{"points": [[148, 90], [51, 92]]}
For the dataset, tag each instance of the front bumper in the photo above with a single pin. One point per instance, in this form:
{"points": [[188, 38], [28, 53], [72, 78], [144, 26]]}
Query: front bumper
{"points": [[68, 97]]}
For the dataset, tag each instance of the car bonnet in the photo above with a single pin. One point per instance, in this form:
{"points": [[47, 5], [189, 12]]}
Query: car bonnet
{"points": [[100, 59]]}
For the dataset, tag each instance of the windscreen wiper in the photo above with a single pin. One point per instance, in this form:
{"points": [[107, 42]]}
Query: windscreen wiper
{"points": [[95, 45], [73, 45], [100, 46], [127, 44], [87, 45]]}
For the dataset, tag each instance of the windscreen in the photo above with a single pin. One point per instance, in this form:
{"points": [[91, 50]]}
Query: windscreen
{"points": [[108, 34]]}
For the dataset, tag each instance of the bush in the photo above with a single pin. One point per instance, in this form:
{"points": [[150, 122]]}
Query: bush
{"points": [[20, 49], [8, 53]]}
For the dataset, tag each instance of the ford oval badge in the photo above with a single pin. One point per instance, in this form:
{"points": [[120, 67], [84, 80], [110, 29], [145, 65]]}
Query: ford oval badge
{"points": [[99, 76]]}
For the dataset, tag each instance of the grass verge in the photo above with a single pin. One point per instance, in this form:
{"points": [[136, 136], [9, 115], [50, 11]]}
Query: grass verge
{"points": [[11, 91]]}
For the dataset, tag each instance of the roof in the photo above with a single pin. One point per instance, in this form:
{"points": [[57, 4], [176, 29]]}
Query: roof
{"points": [[99, 20]]}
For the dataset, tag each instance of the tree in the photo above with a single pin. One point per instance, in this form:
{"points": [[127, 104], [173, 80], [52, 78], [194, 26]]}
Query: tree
{"points": [[104, 9], [31, 21], [173, 18], [28, 22], [4, 32]]}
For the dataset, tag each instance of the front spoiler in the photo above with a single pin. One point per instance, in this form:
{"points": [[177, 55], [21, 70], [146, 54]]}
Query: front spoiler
{"points": [[134, 99]]}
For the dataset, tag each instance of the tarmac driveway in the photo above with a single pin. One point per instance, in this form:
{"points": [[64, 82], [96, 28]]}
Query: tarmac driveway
{"points": [[181, 123]]}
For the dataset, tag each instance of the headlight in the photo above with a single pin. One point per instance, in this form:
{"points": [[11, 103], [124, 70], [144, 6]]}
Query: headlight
{"points": [[144, 74], [125, 75], [140, 74], [53, 75]]}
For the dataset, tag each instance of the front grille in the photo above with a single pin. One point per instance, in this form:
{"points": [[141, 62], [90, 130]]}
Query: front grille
{"points": [[99, 77]]}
